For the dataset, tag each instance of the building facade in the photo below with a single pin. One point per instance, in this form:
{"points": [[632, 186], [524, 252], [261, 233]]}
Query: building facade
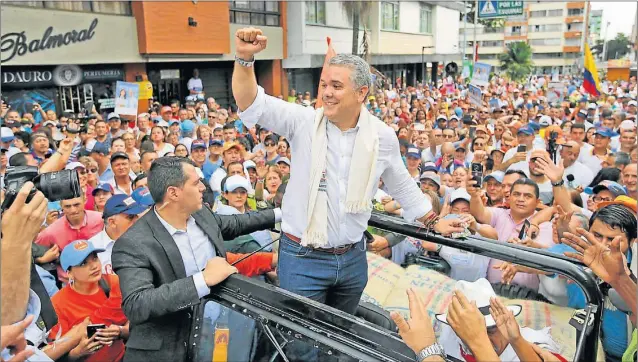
{"points": [[62, 54], [556, 32], [595, 21], [400, 35]]}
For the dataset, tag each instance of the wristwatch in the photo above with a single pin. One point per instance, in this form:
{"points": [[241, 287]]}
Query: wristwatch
{"points": [[559, 183], [435, 349], [244, 62]]}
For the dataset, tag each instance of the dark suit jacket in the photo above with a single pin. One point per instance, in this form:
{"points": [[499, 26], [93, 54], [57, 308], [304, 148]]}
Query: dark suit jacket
{"points": [[158, 297]]}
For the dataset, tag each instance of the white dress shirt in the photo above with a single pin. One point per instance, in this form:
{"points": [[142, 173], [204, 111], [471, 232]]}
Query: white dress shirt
{"points": [[592, 162], [102, 240], [583, 176], [195, 249], [296, 123]]}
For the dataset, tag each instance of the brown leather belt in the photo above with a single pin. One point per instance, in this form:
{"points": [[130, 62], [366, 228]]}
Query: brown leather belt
{"points": [[337, 251]]}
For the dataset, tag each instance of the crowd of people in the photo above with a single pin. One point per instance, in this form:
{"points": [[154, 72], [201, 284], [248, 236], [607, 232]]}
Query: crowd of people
{"points": [[556, 175]]}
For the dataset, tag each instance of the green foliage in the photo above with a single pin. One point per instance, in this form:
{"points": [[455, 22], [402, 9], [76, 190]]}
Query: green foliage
{"points": [[516, 61], [616, 48]]}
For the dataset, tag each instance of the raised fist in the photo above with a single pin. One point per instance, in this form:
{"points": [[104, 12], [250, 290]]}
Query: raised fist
{"points": [[249, 41]]}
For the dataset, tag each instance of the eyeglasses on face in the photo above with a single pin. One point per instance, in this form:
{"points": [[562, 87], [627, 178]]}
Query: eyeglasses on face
{"points": [[269, 144]]}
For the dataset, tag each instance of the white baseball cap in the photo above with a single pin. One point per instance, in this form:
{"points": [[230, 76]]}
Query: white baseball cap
{"points": [[627, 124], [73, 166], [632, 103], [459, 194]]}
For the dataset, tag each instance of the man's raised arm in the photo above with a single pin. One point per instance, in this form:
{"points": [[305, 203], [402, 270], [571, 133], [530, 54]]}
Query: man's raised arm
{"points": [[254, 104]]}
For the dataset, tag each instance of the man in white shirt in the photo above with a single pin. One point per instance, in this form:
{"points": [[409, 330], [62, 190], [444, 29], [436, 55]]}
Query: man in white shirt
{"points": [[593, 159], [329, 263], [569, 153], [515, 160], [120, 213], [194, 84]]}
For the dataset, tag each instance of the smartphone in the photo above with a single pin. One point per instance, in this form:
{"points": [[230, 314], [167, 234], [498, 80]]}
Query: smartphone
{"points": [[523, 233], [91, 329], [477, 174], [521, 148], [472, 132]]}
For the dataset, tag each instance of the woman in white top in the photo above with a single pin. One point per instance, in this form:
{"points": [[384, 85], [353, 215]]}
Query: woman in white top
{"points": [[157, 136]]}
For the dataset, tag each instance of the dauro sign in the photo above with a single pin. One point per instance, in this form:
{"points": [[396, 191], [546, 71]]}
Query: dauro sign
{"points": [[18, 44]]}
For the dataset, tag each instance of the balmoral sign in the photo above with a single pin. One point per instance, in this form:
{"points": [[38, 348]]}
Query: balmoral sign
{"points": [[33, 36], [17, 44]]}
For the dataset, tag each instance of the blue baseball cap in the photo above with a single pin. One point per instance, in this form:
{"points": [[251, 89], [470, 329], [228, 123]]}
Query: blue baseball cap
{"points": [[112, 115], [615, 188], [214, 142], [101, 148], [198, 144], [75, 253], [527, 129], [173, 122], [606, 132], [235, 182], [143, 197], [496, 175], [535, 126], [187, 126], [413, 152], [156, 119], [458, 111], [102, 187], [121, 204], [582, 113]]}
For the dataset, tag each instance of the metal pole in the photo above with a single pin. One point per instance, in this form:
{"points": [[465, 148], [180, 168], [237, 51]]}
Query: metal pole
{"points": [[605, 42], [423, 65], [474, 50], [464, 28]]}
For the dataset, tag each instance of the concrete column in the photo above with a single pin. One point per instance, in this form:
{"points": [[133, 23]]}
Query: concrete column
{"points": [[435, 66]]}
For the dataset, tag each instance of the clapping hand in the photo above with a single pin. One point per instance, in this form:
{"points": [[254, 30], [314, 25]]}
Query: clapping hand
{"points": [[505, 321], [417, 332], [608, 262], [466, 320], [553, 172]]}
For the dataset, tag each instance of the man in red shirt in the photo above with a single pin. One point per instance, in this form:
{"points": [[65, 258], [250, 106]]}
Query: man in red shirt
{"points": [[77, 224]]}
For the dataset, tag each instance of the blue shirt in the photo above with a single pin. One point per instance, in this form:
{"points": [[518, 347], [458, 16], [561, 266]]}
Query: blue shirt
{"points": [[48, 280], [208, 168], [195, 249], [614, 336]]}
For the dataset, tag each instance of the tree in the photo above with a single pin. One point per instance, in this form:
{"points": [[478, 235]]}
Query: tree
{"points": [[516, 61], [616, 48], [358, 13]]}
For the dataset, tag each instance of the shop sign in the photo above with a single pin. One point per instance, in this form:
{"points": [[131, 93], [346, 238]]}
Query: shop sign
{"points": [[18, 44], [169, 74], [61, 76]]}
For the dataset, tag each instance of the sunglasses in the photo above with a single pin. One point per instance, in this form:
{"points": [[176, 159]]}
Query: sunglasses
{"points": [[269, 144]]}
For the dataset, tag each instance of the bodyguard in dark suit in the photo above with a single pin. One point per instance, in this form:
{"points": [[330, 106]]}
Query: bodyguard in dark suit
{"points": [[160, 258]]}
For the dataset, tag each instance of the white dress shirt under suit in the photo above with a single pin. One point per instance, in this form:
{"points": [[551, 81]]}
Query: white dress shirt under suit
{"points": [[296, 123]]}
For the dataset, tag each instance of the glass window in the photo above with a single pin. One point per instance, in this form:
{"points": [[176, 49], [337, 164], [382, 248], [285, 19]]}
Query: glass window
{"points": [[558, 12], [111, 7], [546, 28], [575, 27], [537, 14], [492, 43], [425, 25], [390, 15], [315, 12], [553, 41], [574, 12], [255, 12], [68, 5], [572, 41], [33, 4]]}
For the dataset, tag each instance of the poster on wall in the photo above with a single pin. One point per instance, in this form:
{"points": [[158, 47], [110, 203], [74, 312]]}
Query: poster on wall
{"points": [[475, 95], [126, 97]]}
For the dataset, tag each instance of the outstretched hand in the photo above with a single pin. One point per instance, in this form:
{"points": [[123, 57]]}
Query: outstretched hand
{"points": [[417, 332]]}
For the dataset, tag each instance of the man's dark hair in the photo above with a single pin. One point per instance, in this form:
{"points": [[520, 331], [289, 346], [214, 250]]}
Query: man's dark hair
{"points": [[229, 125], [19, 159], [607, 173], [164, 173], [139, 178], [527, 182], [175, 102], [234, 163], [579, 126], [622, 159], [100, 121], [144, 154], [617, 216], [518, 172], [25, 137]]}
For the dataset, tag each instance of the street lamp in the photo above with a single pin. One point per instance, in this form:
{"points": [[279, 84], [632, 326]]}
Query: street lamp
{"points": [[423, 62]]}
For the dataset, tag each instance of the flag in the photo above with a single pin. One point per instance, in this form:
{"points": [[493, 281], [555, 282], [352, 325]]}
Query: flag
{"points": [[329, 54], [590, 78]]}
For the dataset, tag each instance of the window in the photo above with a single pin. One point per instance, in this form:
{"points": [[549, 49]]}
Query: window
{"points": [[575, 27], [487, 56], [545, 28], [425, 25], [68, 5], [571, 55], [112, 7], [516, 30], [573, 41], [548, 55], [558, 12], [255, 12], [574, 12], [492, 43], [315, 12], [553, 41], [390, 15], [34, 4], [537, 14]]}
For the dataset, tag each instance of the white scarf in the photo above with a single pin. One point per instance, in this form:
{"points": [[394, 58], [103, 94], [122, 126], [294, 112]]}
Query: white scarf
{"points": [[361, 180]]}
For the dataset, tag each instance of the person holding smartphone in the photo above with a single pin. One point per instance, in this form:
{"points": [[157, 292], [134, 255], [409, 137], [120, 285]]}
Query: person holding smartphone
{"points": [[517, 158]]}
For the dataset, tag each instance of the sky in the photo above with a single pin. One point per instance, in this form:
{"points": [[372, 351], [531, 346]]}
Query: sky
{"points": [[620, 14]]}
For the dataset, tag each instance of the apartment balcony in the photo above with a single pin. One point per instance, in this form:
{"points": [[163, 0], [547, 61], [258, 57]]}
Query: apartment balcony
{"points": [[576, 5], [573, 34], [574, 19], [516, 36], [571, 49]]}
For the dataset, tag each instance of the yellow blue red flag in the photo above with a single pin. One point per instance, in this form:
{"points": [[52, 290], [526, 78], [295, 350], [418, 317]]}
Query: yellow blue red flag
{"points": [[590, 78]]}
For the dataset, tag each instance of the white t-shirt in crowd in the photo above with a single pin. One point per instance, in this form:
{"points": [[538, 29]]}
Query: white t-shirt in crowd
{"points": [[592, 162], [463, 265], [195, 84], [582, 175], [166, 149]]}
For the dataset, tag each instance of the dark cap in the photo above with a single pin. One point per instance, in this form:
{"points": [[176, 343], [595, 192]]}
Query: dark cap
{"points": [[122, 204], [117, 155]]}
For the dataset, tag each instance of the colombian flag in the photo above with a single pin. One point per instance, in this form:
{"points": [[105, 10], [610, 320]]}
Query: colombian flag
{"points": [[590, 78]]}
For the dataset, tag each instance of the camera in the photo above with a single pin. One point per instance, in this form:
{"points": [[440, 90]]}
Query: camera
{"points": [[56, 186], [551, 145]]}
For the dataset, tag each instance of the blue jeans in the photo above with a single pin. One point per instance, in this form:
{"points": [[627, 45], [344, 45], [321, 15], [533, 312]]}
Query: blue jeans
{"points": [[335, 280]]}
